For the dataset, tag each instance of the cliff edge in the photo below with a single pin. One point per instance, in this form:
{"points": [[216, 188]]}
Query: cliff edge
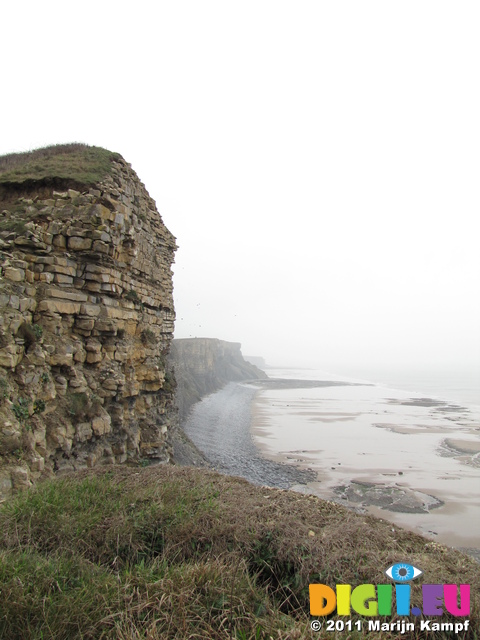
{"points": [[205, 365], [86, 315]]}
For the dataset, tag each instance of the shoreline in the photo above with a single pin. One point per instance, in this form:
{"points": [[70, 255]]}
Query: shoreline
{"points": [[409, 496], [230, 430], [219, 426]]}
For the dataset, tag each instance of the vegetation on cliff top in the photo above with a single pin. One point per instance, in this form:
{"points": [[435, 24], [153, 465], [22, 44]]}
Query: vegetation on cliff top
{"points": [[76, 162], [168, 552]]}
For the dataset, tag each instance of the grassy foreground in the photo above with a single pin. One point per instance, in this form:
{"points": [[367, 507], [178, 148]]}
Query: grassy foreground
{"points": [[169, 552]]}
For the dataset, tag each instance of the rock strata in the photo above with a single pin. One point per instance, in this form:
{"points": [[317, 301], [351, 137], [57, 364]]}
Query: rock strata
{"points": [[86, 321], [205, 365]]}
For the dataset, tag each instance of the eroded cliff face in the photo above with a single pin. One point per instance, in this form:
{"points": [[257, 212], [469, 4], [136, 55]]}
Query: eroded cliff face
{"points": [[204, 365], [86, 321]]}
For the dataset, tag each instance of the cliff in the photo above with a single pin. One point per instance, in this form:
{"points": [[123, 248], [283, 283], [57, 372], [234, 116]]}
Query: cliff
{"points": [[257, 361], [86, 315], [204, 365]]}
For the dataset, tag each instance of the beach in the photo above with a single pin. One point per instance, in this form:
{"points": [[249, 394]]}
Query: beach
{"points": [[219, 425], [394, 453]]}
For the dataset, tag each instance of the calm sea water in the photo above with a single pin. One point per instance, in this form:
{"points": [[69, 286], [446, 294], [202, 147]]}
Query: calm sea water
{"points": [[452, 384]]}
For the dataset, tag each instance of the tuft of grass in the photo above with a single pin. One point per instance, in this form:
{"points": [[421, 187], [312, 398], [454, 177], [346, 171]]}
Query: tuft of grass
{"points": [[168, 552], [21, 409], [13, 225], [39, 406], [132, 295], [81, 407], [60, 596], [80, 163], [3, 389], [148, 337], [31, 333]]}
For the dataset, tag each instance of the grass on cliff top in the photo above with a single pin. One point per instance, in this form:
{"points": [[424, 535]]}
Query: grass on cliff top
{"points": [[74, 162], [168, 552]]}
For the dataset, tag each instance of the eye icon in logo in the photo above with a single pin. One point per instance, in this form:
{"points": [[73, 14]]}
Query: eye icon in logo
{"points": [[403, 572]]}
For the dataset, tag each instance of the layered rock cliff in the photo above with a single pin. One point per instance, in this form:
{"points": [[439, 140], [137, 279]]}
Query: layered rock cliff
{"points": [[86, 317], [204, 365]]}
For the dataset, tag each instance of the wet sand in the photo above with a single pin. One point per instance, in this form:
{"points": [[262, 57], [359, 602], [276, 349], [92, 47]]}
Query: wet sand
{"points": [[412, 460], [219, 425], [401, 458]]}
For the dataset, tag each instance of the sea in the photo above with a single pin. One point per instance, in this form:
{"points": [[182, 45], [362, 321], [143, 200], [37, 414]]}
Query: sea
{"points": [[403, 445]]}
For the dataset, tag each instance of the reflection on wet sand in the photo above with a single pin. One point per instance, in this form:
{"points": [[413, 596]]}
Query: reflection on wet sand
{"points": [[417, 465], [463, 446]]}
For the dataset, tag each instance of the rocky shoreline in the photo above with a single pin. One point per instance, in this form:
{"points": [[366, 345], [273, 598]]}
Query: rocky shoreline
{"points": [[217, 435], [219, 427]]}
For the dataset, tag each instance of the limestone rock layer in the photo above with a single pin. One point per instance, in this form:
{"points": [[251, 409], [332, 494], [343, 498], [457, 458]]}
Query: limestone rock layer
{"points": [[204, 365], [86, 321]]}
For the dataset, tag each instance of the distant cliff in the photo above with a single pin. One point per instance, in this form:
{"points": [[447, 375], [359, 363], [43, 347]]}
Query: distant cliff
{"points": [[86, 315], [257, 361], [204, 365]]}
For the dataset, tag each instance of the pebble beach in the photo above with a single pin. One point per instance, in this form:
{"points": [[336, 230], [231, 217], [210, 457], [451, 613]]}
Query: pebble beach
{"points": [[404, 457]]}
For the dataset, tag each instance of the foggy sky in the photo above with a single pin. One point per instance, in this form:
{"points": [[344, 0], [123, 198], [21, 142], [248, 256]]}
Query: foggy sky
{"points": [[318, 162]]}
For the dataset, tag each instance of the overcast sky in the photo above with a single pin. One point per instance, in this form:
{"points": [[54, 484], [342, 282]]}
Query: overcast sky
{"points": [[318, 161]]}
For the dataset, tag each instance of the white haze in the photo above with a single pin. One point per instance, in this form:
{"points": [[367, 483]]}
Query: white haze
{"points": [[317, 161]]}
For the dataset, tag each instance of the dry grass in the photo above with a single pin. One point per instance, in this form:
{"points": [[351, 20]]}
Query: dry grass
{"points": [[76, 162], [168, 552]]}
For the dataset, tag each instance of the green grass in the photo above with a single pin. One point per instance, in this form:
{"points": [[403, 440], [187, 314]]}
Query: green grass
{"points": [[81, 407], [171, 553], [79, 163]]}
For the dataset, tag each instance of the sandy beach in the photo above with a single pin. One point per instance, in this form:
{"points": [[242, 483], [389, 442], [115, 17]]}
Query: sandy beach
{"points": [[403, 457], [410, 459]]}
